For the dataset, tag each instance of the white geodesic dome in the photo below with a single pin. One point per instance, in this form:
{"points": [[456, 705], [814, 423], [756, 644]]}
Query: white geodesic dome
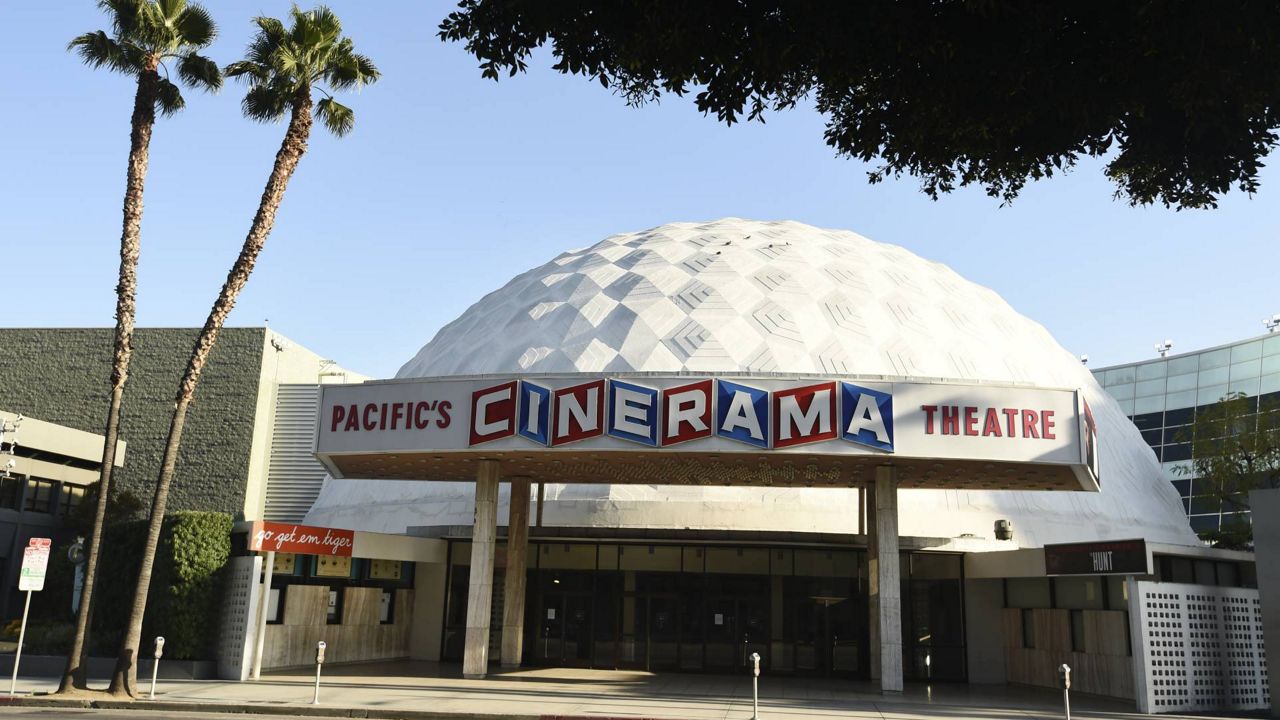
{"points": [[779, 297]]}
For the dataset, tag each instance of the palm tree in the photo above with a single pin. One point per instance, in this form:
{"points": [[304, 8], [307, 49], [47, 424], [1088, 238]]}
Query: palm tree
{"points": [[145, 35], [283, 68]]}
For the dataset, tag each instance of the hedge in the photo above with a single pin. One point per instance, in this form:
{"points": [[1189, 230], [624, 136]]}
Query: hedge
{"points": [[184, 604]]}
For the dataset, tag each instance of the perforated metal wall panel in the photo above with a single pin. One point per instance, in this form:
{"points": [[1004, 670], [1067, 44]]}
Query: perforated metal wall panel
{"points": [[239, 612], [1201, 647]]}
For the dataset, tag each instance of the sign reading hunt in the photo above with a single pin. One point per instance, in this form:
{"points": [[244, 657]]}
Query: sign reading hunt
{"points": [[35, 561], [267, 536], [1113, 557], [707, 414]]}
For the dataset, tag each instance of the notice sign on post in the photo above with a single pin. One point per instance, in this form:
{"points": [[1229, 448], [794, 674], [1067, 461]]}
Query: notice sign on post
{"points": [[35, 560]]}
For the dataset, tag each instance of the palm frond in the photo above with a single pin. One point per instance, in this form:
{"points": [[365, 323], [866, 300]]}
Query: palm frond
{"points": [[196, 27], [97, 49], [282, 62], [198, 71], [255, 73], [265, 103], [338, 118], [169, 98]]}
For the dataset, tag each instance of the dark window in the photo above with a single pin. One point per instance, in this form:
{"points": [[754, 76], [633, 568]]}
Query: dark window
{"points": [[1228, 574], [1170, 568], [1028, 628], [1174, 453], [1200, 523], [1176, 435], [1077, 631], [10, 493], [1181, 416], [1204, 573], [72, 496], [39, 496], [1186, 505], [1153, 437], [1203, 504], [1149, 421], [1182, 486]]}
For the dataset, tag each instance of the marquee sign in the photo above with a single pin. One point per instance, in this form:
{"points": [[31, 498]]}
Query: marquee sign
{"points": [[720, 414], [1112, 557]]}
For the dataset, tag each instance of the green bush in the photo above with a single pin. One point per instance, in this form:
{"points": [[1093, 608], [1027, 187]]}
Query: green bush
{"points": [[186, 586]]}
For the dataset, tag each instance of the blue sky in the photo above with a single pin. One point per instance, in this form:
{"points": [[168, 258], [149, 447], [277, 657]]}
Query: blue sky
{"points": [[451, 184]]}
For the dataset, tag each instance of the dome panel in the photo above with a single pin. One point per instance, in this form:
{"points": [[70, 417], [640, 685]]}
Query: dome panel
{"points": [[771, 297]]}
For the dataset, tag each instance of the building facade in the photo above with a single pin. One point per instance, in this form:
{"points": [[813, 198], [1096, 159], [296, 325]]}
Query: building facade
{"points": [[696, 574], [1162, 396], [60, 375]]}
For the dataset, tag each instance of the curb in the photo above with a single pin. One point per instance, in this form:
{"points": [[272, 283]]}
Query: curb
{"points": [[44, 701]]}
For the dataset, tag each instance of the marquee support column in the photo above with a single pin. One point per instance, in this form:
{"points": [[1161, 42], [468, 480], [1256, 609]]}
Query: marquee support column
{"points": [[887, 580], [475, 653], [873, 580], [517, 562]]}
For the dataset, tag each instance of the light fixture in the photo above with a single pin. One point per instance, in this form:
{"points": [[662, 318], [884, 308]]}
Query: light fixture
{"points": [[1272, 323], [1164, 347], [1084, 359]]}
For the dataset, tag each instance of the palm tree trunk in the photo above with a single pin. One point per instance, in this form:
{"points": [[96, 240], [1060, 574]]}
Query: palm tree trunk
{"points": [[143, 120], [124, 679]]}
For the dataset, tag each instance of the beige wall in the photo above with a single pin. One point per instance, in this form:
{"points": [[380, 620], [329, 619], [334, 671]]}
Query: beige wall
{"points": [[428, 611], [360, 637], [1103, 668], [283, 362]]}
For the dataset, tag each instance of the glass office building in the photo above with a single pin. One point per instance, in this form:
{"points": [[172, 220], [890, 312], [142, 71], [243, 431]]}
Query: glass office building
{"points": [[1163, 395]]}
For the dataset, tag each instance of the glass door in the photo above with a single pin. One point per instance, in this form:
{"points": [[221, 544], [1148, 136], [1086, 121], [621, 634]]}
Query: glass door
{"points": [[564, 636]]}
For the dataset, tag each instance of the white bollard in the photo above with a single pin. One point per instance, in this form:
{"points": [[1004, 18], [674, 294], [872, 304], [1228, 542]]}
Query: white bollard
{"points": [[155, 664], [1064, 672], [755, 686], [320, 646]]}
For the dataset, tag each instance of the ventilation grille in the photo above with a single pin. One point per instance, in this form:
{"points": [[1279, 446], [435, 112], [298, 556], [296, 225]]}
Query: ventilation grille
{"points": [[294, 476]]}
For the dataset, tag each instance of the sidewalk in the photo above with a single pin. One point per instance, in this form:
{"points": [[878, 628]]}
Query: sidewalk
{"points": [[425, 690]]}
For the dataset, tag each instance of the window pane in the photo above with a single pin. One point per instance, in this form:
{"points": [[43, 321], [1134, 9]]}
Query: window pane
{"points": [[1178, 366], [1078, 592], [1150, 371], [1186, 399], [1121, 375], [1150, 387], [1247, 369], [1214, 376], [1028, 592], [1178, 383], [1121, 392], [1217, 358], [1210, 395], [1248, 351], [1148, 404]]}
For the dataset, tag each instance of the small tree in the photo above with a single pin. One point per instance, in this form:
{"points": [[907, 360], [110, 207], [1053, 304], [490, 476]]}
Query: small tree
{"points": [[144, 35], [284, 66], [1235, 448]]}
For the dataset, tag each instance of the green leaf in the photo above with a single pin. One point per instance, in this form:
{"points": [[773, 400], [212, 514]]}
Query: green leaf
{"points": [[169, 98], [200, 72], [338, 118]]}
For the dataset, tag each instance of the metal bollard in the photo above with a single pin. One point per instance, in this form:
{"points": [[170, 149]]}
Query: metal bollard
{"points": [[155, 664], [1064, 672], [755, 686], [320, 646]]}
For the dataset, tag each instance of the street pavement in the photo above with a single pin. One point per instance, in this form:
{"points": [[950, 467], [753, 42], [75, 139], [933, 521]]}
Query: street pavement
{"points": [[427, 690]]}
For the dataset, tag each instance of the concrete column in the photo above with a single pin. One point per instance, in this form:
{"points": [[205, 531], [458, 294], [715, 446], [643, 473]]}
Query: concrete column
{"points": [[517, 561], [873, 582], [888, 580], [260, 639], [475, 652]]}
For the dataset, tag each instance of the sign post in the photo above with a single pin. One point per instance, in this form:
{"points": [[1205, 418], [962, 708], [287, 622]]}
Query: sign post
{"points": [[35, 559]]}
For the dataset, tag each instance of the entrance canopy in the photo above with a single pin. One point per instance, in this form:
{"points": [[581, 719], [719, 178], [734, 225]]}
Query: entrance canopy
{"points": [[650, 428]]}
